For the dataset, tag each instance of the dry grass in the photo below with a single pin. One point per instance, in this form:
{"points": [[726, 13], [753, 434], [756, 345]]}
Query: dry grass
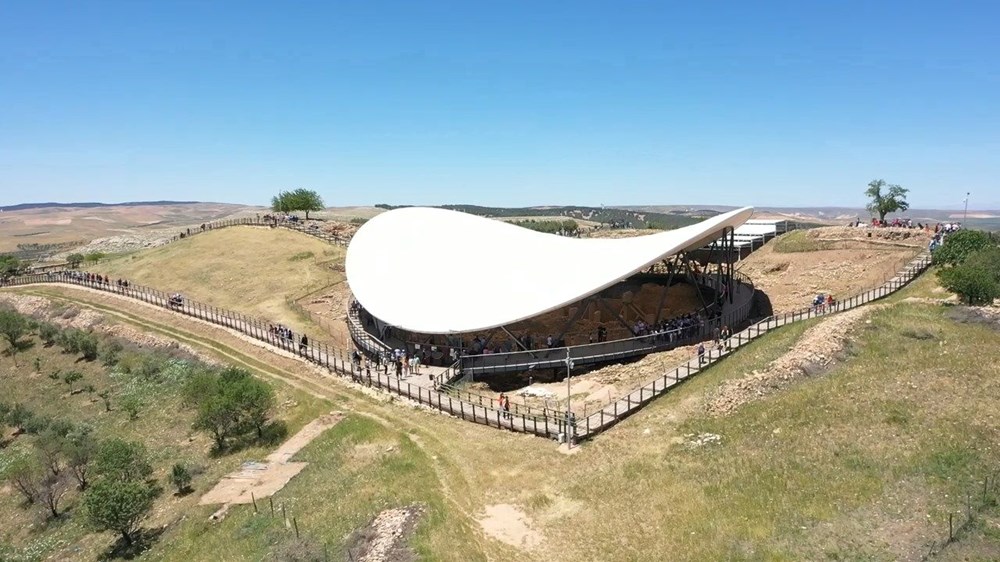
{"points": [[862, 462], [250, 270]]}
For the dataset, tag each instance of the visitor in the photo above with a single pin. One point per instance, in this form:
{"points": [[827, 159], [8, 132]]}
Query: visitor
{"points": [[701, 354], [303, 344]]}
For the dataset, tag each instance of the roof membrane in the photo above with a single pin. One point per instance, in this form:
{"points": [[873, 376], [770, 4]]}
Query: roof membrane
{"points": [[436, 271]]}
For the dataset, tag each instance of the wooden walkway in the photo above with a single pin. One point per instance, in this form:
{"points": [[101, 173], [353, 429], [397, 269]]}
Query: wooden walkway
{"points": [[535, 421]]}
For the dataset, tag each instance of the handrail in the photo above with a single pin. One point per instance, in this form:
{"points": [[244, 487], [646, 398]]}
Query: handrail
{"points": [[635, 399]]}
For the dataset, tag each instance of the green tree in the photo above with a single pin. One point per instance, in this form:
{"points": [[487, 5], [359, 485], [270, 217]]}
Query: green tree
{"points": [[117, 459], [13, 326], [886, 198], [254, 400], [977, 279], [19, 416], [71, 377], [9, 265], [79, 449], [297, 200], [74, 260], [118, 505], [958, 246], [48, 332], [180, 477], [217, 416]]}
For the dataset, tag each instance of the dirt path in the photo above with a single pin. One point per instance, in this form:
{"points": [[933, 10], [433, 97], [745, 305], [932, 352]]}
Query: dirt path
{"points": [[256, 480], [236, 349]]}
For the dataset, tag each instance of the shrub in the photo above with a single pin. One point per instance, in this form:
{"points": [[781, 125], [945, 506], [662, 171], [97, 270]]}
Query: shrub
{"points": [[960, 245], [117, 459], [118, 505], [180, 477], [110, 353], [48, 332]]}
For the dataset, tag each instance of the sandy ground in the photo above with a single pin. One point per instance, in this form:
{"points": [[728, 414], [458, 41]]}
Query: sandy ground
{"points": [[858, 264], [508, 524], [255, 480]]}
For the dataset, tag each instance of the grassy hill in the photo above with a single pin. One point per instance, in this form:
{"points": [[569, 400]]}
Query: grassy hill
{"points": [[250, 270], [153, 378], [860, 460]]}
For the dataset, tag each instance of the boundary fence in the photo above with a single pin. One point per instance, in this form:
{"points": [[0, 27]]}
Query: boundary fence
{"points": [[549, 424]]}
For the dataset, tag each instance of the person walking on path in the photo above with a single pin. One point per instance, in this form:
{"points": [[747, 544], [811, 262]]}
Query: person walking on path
{"points": [[701, 354], [506, 406]]}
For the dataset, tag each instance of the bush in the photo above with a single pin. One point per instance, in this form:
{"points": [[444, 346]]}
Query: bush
{"points": [[960, 245], [977, 279], [180, 477], [110, 353], [78, 341], [48, 332], [131, 404], [230, 403]]}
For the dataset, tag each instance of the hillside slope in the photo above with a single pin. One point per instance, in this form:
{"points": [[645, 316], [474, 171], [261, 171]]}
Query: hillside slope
{"points": [[841, 261], [250, 270]]}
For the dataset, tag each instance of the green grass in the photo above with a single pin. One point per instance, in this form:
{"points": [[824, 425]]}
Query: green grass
{"points": [[163, 424], [357, 469], [863, 462], [800, 241]]}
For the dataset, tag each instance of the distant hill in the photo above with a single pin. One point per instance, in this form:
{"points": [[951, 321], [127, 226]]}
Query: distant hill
{"points": [[632, 218], [90, 205]]}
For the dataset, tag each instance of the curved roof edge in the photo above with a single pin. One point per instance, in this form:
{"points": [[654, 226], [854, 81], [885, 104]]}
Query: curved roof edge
{"points": [[436, 271]]}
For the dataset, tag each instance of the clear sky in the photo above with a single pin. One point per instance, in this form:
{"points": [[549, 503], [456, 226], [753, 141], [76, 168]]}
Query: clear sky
{"points": [[796, 103]]}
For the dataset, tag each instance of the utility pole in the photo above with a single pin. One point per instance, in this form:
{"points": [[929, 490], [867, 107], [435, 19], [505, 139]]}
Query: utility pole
{"points": [[569, 415], [965, 215]]}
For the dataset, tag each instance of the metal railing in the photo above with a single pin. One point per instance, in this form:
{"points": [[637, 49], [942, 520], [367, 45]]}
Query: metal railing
{"points": [[634, 400]]}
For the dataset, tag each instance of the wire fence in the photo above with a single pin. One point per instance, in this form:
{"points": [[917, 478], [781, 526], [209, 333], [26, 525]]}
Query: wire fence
{"points": [[979, 498]]}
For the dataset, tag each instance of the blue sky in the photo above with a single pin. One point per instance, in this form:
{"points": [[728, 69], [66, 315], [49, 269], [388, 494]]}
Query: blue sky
{"points": [[500, 103]]}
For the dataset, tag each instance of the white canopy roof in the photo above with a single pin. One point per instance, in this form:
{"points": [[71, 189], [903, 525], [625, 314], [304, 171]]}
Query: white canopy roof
{"points": [[435, 271]]}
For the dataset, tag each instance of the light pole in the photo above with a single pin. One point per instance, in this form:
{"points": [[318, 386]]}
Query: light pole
{"points": [[965, 215], [569, 414]]}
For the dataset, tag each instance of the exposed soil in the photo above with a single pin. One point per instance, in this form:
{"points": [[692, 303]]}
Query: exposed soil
{"points": [[509, 524], [812, 354], [856, 264], [384, 539]]}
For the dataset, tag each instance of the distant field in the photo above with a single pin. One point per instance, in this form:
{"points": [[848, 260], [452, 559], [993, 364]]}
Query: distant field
{"points": [[75, 224], [250, 270]]}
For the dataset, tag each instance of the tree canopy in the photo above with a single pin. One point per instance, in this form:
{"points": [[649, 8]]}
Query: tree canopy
{"points": [[300, 199], [886, 198], [958, 246], [117, 459], [9, 265], [971, 266], [118, 505], [230, 403]]}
